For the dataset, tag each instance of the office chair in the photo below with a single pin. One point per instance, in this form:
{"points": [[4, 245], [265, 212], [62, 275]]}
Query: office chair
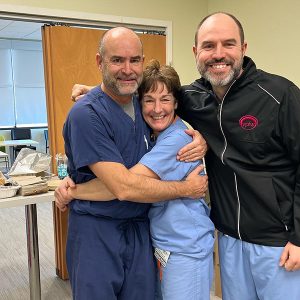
{"points": [[21, 134], [3, 154], [2, 148], [46, 139]]}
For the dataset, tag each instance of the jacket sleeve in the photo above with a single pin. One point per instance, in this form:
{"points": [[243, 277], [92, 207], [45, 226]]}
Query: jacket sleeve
{"points": [[289, 124], [181, 110]]}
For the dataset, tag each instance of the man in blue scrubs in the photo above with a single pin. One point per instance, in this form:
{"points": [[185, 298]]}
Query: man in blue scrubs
{"points": [[109, 251]]}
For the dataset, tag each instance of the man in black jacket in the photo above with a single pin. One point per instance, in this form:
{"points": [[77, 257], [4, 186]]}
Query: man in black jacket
{"points": [[250, 120]]}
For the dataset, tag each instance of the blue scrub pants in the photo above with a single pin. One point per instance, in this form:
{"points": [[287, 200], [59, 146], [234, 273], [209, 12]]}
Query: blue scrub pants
{"points": [[110, 259], [187, 278], [252, 272]]}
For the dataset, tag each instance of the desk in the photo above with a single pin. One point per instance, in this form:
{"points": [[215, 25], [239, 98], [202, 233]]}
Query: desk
{"points": [[32, 235], [12, 143]]}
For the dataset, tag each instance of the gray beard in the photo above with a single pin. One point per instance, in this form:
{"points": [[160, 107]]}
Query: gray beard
{"points": [[220, 82], [117, 90]]}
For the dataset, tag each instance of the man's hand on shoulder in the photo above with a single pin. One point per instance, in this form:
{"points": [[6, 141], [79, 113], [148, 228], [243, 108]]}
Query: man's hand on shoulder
{"points": [[194, 150], [79, 90]]}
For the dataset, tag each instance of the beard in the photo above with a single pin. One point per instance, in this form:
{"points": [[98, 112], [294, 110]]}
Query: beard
{"points": [[220, 80], [114, 85], [120, 89]]}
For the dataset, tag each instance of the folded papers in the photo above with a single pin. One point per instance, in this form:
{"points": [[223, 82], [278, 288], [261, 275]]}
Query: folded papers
{"points": [[30, 185]]}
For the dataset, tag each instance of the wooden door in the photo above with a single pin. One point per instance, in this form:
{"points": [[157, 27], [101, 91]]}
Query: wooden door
{"points": [[69, 58]]}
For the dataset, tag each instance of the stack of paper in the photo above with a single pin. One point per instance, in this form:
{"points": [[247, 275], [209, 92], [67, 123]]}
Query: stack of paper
{"points": [[30, 185]]}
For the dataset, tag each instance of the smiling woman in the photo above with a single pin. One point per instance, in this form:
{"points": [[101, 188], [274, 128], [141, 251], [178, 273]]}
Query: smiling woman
{"points": [[158, 108], [158, 94]]}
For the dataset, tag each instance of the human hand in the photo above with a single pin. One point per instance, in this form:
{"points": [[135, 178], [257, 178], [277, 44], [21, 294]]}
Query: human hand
{"points": [[62, 195], [79, 90], [290, 257], [198, 184], [194, 150]]}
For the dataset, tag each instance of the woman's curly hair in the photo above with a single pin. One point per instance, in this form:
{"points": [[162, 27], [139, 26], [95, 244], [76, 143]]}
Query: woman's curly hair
{"points": [[155, 73]]}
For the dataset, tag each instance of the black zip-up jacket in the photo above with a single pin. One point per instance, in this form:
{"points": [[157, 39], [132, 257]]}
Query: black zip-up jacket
{"points": [[254, 158]]}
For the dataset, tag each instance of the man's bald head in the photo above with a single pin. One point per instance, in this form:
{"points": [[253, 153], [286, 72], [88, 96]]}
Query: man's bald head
{"points": [[236, 21], [117, 34]]}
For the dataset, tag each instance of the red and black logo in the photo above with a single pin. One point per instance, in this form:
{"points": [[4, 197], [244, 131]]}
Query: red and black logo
{"points": [[248, 122]]}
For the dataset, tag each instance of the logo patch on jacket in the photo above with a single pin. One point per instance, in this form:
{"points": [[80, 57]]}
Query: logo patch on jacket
{"points": [[248, 122]]}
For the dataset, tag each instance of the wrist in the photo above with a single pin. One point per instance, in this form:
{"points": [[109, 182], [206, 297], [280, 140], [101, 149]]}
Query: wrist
{"points": [[185, 189], [71, 194]]}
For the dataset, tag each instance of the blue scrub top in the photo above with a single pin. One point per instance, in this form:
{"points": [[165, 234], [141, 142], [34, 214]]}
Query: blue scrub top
{"points": [[97, 129], [181, 225]]}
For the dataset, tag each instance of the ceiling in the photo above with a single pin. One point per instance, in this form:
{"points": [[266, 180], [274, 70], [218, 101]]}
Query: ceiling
{"points": [[20, 30]]}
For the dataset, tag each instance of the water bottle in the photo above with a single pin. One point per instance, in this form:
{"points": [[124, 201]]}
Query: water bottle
{"points": [[61, 163]]}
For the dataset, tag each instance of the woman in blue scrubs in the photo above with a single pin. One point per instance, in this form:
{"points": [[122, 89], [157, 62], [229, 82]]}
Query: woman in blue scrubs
{"points": [[181, 230]]}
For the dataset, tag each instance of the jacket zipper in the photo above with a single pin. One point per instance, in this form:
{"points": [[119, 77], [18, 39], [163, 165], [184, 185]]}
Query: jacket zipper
{"points": [[239, 205], [220, 107]]}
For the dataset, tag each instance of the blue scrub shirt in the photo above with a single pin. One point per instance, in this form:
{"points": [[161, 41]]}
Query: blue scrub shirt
{"points": [[181, 225], [97, 129]]}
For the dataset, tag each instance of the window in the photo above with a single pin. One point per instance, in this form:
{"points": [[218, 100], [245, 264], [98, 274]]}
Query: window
{"points": [[22, 87]]}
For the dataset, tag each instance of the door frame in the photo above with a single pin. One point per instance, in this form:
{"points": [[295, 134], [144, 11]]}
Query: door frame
{"points": [[75, 18]]}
